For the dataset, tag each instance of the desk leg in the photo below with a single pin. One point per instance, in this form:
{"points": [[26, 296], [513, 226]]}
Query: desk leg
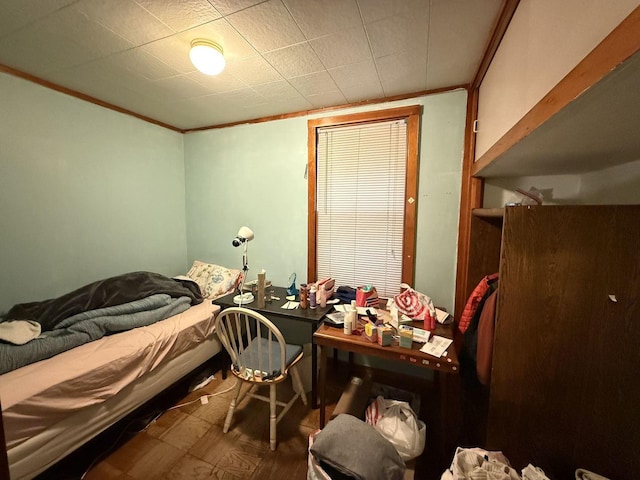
{"points": [[445, 420], [323, 384], [314, 372]]}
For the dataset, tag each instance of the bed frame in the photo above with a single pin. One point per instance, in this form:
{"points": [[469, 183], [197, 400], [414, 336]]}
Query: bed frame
{"points": [[28, 458]]}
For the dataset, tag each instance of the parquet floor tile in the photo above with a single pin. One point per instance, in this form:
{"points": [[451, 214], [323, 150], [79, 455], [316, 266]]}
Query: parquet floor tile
{"points": [[187, 443]]}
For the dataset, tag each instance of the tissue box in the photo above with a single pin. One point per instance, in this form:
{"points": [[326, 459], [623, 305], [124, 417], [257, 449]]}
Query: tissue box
{"points": [[406, 336], [370, 332], [385, 335]]}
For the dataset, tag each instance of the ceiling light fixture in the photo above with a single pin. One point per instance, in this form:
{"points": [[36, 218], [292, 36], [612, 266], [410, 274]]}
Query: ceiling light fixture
{"points": [[207, 56]]}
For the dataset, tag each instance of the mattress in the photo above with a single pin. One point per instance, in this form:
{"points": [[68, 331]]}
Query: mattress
{"points": [[53, 406]]}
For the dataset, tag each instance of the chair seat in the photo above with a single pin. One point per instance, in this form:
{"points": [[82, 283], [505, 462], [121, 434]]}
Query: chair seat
{"points": [[257, 353]]}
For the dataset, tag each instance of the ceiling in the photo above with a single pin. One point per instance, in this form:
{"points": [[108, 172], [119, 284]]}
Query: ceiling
{"points": [[283, 56]]}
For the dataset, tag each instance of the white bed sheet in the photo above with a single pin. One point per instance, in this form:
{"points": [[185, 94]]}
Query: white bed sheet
{"points": [[53, 406]]}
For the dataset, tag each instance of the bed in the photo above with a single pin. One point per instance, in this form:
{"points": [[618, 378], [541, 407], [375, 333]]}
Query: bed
{"points": [[52, 406]]}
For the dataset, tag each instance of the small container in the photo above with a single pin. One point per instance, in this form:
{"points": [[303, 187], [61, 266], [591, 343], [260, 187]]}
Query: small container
{"points": [[385, 336], [406, 336], [430, 323], [312, 297], [304, 302], [370, 332], [347, 326]]}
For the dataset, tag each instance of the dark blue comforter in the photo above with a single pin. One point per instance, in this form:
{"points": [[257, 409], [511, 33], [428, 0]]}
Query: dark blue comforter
{"points": [[98, 309]]}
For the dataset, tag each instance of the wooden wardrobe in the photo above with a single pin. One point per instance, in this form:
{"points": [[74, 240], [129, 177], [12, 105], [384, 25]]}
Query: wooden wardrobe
{"points": [[565, 384]]}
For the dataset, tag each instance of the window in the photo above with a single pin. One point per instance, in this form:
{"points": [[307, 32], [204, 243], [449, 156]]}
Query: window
{"points": [[363, 172]]}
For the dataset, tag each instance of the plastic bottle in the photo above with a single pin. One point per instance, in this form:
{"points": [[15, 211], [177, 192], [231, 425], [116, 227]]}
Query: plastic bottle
{"points": [[353, 313], [347, 327], [312, 297], [303, 296], [322, 296]]}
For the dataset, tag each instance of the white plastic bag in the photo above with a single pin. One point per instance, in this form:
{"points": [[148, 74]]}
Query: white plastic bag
{"points": [[397, 422]]}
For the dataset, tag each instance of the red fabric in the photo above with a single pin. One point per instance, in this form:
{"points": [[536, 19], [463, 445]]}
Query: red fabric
{"points": [[474, 300], [486, 327]]}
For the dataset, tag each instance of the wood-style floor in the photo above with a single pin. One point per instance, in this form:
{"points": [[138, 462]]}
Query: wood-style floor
{"points": [[187, 443]]}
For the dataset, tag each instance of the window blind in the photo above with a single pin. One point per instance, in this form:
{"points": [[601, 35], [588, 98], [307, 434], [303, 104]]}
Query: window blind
{"points": [[361, 177]]}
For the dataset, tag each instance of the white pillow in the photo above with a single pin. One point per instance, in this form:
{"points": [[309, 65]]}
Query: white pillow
{"points": [[214, 280]]}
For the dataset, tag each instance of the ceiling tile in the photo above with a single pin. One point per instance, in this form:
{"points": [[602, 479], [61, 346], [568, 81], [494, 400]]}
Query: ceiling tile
{"points": [[173, 51], [244, 97], [355, 74], [373, 10], [180, 86], [295, 60], [35, 52], [73, 25], [58, 41], [314, 83], [327, 99], [253, 70], [268, 109], [227, 7], [342, 48], [183, 14], [404, 70], [143, 64], [224, 82], [403, 85], [267, 26], [107, 82], [457, 41], [279, 91], [363, 92], [221, 31], [18, 13], [313, 18], [397, 34], [126, 18]]}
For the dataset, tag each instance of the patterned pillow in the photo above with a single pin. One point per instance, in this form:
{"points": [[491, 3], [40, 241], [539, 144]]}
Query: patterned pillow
{"points": [[214, 280]]}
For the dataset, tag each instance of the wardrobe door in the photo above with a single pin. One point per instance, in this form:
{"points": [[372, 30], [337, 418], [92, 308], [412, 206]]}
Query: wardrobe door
{"points": [[564, 390]]}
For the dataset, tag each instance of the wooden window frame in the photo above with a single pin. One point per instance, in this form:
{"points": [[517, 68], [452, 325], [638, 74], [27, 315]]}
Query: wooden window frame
{"points": [[412, 116]]}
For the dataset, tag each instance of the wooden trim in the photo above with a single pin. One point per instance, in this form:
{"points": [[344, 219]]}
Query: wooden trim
{"points": [[472, 189], [488, 212], [411, 192], [312, 142], [412, 115], [617, 47], [506, 14], [82, 96], [471, 196], [330, 109], [95, 101]]}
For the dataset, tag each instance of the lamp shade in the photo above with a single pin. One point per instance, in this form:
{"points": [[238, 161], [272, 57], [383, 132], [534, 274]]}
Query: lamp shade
{"points": [[207, 56], [246, 233]]}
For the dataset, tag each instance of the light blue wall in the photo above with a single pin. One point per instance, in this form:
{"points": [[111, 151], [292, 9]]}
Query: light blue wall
{"points": [[254, 175], [85, 193]]}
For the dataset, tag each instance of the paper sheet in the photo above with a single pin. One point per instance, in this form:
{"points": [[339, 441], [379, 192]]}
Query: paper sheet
{"points": [[290, 305], [343, 307], [436, 346], [443, 317]]}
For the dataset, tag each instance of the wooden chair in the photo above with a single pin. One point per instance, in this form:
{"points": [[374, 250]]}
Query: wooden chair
{"points": [[259, 356]]}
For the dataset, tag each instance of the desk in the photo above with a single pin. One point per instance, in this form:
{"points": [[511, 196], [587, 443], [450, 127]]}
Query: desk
{"points": [[330, 337], [309, 316]]}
